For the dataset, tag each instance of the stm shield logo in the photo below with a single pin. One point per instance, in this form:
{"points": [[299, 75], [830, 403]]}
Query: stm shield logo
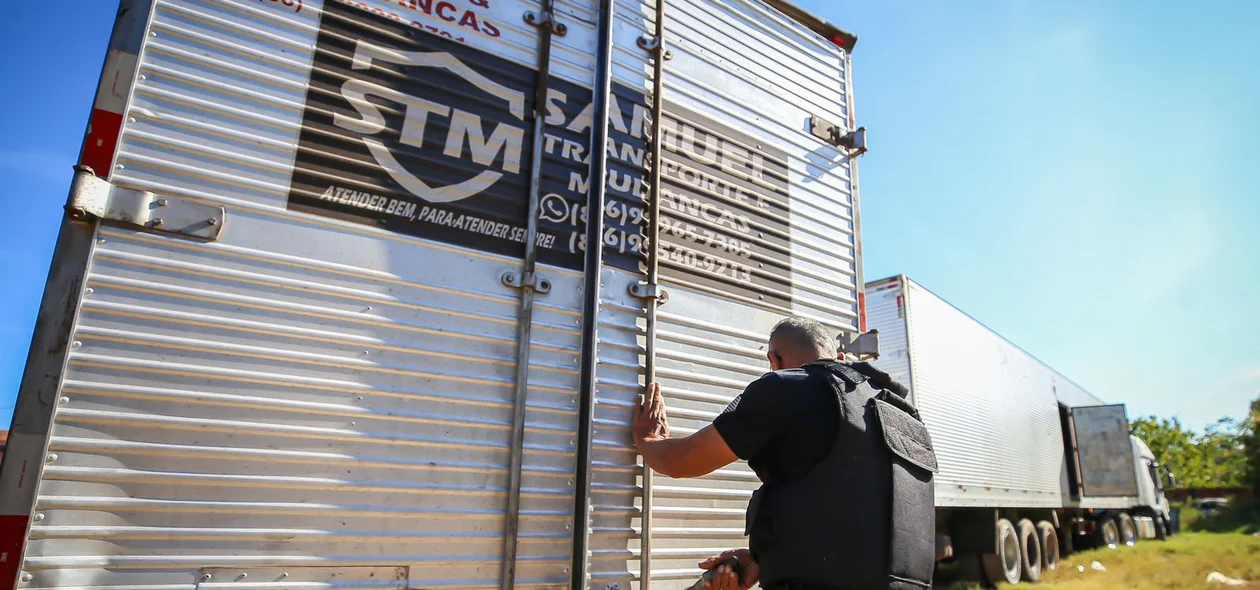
{"points": [[503, 146]]}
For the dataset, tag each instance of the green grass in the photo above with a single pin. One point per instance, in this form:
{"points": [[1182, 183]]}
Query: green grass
{"points": [[1183, 561]]}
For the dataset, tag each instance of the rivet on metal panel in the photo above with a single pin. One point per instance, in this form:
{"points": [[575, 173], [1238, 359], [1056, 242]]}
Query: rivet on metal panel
{"points": [[352, 422], [119, 167], [212, 221], [90, 290], [100, 241], [76, 344], [360, 398], [52, 457], [153, 34], [242, 576], [156, 222], [206, 577], [284, 575], [162, 202], [65, 400], [131, 119], [143, 77], [39, 517], [26, 576], [613, 587]]}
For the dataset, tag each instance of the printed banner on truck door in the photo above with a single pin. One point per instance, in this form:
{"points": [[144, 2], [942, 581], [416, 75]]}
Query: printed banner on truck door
{"points": [[426, 136]]}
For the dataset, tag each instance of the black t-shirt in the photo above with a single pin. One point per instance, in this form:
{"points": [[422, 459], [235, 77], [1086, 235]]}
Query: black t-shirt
{"points": [[783, 424]]}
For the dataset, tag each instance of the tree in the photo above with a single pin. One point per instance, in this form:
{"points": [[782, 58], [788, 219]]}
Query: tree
{"points": [[1215, 458], [1250, 435], [1172, 445]]}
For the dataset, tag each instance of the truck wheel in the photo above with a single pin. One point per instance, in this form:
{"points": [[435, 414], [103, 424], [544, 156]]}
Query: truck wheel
{"points": [[1005, 566], [1029, 550], [1049, 546], [1128, 529], [1108, 534]]}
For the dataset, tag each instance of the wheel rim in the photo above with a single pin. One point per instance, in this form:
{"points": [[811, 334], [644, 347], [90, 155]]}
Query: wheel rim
{"points": [[1034, 555], [1111, 536], [1052, 552], [1010, 556], [1128, 533]]}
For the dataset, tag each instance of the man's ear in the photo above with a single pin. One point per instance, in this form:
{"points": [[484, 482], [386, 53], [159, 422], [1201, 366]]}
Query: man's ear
{"points": [[770, 357]]}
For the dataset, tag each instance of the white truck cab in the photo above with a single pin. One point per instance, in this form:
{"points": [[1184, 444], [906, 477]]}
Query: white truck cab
{"points": [[1151, 478]]}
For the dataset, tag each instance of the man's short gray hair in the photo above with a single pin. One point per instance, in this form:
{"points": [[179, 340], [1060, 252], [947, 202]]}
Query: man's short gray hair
{"points": [[805, 335]]}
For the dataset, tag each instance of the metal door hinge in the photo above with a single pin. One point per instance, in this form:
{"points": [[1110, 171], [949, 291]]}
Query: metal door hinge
{"points": [[532, 281], [854, 141], [649, 291], [92, 196], [546, 18], [654, 46]]}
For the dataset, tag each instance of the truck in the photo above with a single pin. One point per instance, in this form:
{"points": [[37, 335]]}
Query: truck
{"points": [[1032, 465], [361, 293]]}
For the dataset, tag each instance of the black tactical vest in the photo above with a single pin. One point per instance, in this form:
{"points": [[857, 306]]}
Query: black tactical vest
{"points": [[864, 517]]}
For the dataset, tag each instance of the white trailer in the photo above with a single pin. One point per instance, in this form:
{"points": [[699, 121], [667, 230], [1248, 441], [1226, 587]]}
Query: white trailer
{"points": [[1031, 464], [322, 311]]}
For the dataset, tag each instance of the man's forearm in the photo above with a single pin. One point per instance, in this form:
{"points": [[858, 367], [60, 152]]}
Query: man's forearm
{"points": [[664, 455], [691, 456]]}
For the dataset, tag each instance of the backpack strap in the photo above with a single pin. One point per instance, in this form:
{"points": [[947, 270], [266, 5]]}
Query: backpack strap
{"points": [[845, 371]]}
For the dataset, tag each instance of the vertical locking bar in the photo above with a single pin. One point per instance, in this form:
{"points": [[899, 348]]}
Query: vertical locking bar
{"points": [[511, 533], [601, 94], [657, 48]]}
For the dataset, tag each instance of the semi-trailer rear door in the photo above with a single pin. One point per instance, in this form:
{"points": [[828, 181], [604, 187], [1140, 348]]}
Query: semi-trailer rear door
{"points": [[1104, 453]]}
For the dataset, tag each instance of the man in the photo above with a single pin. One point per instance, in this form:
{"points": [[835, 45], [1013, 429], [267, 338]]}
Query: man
{"points": [[813, 431]]}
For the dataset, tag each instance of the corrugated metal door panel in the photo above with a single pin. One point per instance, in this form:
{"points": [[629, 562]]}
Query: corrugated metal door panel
{"points": [[305, 392], [991, 410], [741, 79], [802, 78], [616, 493], [886, 312]]}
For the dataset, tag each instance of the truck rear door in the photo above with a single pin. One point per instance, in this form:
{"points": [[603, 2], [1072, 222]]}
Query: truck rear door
{"points": [[1103, 451]]}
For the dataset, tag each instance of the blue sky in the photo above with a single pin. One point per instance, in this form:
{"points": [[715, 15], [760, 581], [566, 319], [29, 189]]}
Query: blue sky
{"points": [[1080, 176]]}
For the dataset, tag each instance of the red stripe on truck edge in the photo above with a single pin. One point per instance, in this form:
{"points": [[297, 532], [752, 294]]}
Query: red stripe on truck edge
{"points": [[861, 313], [101, 141], [12, 534]]}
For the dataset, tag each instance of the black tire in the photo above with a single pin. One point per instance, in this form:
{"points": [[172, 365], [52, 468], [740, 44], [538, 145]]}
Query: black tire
{"points": [[1128, 529], [1049, 546], [1108, 535], [1005, 566], [1029, 550]]}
